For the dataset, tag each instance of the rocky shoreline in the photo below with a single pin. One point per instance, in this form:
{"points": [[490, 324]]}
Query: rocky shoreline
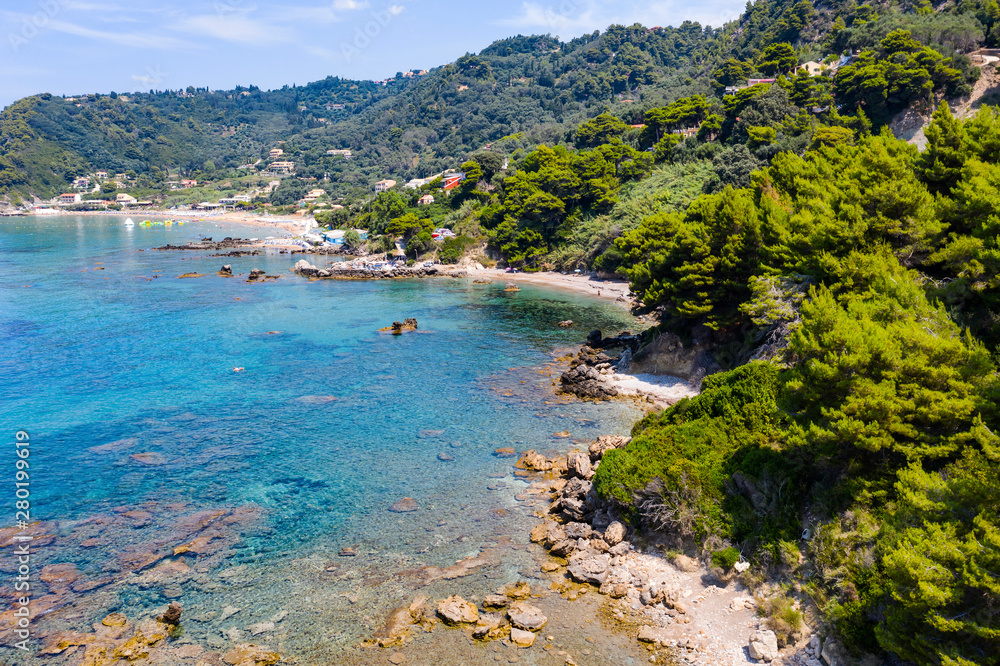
{"points": [[307, 270], [676, 607]]}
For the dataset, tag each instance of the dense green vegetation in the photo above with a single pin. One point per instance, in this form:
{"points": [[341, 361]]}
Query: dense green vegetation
{"points": [[845, 282], [862, 457]]}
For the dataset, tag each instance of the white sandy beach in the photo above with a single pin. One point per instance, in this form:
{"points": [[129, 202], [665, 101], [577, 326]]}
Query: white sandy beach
{"points": [[612, 290]]}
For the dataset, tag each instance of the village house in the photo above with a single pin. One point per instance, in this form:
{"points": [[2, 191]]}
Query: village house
{"points": [[812, 68], [753, 82], [276, 153], [102, 175], [71, 198], [282, 167], [343, 153], [426, 200], [451, 180], [125, 199], [384, 185], [189, 183], [314, 195], [81, 183]]}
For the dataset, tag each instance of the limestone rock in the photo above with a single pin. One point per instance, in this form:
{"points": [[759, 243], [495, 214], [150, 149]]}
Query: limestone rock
{"points": [[685, 563], [763, 645], [488, 626], [392, 632], [605, 443], [534, 461], [654, 635], [578, 530], [518, 590], [614, 534], [588, 567], [621, 549], [525, 616], [456, 610], [576, 489], [522, 638], [579, 465], [495, 601], [246, 654]]}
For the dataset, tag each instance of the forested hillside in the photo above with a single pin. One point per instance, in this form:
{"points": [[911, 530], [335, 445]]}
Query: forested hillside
{"points": [[843, 284]]}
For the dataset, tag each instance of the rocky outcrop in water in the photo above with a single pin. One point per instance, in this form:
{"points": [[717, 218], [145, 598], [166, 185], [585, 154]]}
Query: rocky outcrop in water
{"points": [[306, 269], [206, 244]]}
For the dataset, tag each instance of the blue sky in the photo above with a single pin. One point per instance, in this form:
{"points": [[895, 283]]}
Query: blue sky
{"points": [[79, 46]]}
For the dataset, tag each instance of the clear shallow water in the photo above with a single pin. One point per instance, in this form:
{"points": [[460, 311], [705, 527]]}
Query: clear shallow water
{"points": [[329, 424]]}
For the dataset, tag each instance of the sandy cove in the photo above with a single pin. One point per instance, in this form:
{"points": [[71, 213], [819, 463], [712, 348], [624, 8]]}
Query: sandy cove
{"points": [[581, 283]]}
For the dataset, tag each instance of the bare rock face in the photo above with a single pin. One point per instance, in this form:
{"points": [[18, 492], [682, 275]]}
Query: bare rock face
{"points": [[525, 616], [579, 465], [763, 645], [614, 534], [606, 443], [456, 610], [667, 355]]}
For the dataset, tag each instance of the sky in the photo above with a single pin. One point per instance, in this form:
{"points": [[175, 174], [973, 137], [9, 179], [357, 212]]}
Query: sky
{"points": [[68, 47]]}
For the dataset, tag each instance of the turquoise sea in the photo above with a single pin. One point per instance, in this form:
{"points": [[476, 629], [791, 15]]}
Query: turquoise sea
{"points": [[144, 441]]}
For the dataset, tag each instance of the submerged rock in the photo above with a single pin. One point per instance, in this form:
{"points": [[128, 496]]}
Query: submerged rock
{"points": [[172, 614], [404, 505], [456, 610], [522, 638], [525, 616]]}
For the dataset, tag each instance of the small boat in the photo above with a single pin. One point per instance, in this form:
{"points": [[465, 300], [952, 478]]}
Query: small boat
{"points": [[129, 222], [511, 287]]}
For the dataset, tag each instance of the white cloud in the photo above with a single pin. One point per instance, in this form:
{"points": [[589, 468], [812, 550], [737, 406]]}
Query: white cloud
{"points": [[396, 10], [236, 27], [574, 17], [349, 5], [130, 39]]}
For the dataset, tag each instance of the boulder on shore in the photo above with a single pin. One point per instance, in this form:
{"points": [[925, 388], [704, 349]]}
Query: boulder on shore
{"points": [[763, 645]]}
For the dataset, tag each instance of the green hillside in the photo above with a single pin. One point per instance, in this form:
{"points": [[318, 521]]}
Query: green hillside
{"points": [[842, 283]]}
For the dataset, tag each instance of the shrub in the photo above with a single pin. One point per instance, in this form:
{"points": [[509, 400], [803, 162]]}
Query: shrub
{"points": [[725, 558], [782, 617]]}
